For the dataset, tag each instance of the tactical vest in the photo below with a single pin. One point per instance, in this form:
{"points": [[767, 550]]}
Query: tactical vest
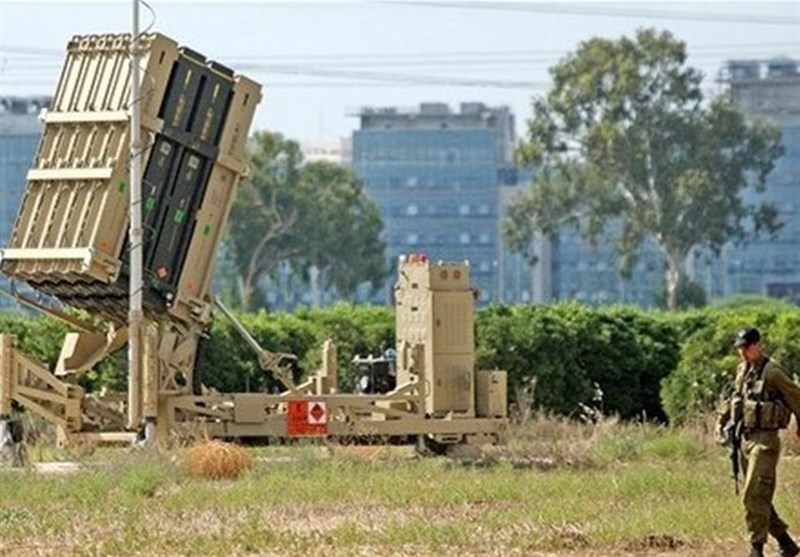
{"points": [[757, 407]]}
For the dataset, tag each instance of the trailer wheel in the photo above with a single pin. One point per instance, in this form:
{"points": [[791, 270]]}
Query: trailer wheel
{"points": [[12, 447], [427, 446]]}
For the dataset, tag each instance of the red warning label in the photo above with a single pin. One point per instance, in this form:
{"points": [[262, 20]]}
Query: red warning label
{"points": [[307, 417]]}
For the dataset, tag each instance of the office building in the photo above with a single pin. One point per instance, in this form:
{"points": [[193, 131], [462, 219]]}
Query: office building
{"points": [[437, 175], [20, 130], [768, 266]]}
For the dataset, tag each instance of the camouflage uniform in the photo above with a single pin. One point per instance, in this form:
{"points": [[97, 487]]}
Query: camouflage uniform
{"points": [[763, 398]]}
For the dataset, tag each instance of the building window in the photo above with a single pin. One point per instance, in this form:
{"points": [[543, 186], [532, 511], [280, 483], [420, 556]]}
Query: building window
{"points": [[412, 210], [464, 238], [484, 266], [412, 182], [412, 239], [483, 209], [484, 238], [463, 209]]}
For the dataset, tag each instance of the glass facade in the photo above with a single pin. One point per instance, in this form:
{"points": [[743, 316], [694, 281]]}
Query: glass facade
{"points": [[16, 155], [437, 184], [19, 139], [767, 265], [590, 273]]}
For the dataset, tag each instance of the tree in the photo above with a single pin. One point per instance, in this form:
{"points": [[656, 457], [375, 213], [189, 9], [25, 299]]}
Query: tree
{"points": [[265, 211], [625, 135], [346, 244], [690, 295], [305, 215]]}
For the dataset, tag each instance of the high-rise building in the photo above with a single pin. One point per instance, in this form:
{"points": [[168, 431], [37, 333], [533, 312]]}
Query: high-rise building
{"points": [[770, 90], [20, 130], [436, 176]]}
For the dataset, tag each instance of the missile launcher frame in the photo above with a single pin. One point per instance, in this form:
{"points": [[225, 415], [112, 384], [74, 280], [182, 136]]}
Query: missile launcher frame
{"points": [[70, 241]]}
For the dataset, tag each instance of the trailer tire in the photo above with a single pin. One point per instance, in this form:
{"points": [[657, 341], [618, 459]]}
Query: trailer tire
{"points": [[426, 446]]}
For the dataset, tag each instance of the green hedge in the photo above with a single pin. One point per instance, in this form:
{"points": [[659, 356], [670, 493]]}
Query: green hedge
{"points": [[708, 361], [572, 350], [646, 364]]}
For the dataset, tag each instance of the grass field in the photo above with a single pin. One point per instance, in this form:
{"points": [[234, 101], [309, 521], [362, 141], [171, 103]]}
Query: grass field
{"points": [[555, 489]]}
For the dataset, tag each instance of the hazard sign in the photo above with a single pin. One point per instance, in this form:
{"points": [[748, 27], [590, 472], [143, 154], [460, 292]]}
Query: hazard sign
{"points": [[307, 417]]}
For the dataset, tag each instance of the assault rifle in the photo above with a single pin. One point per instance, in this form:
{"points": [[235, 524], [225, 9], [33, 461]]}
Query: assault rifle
{"points": [[733, 439]]}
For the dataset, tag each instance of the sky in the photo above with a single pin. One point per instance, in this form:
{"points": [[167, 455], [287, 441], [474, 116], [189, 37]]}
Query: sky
{"points": [[320, 62]]}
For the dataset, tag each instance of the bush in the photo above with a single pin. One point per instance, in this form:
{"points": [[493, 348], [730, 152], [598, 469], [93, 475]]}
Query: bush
{"points": [[708, 360], [41, 337], [610, 358]]}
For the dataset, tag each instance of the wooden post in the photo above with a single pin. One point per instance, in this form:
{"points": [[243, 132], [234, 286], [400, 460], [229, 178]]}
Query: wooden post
{"points": [[6, 374]]}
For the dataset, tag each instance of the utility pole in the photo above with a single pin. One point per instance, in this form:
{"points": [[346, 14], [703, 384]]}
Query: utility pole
{"points": [[135, 314]]}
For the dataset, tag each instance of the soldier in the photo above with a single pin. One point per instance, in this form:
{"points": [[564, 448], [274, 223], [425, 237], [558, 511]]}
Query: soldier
{"points": [[762, 402]]}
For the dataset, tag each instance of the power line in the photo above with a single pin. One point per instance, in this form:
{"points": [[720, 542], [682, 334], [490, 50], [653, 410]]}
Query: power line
{"points": [[33, 51], [609, 11], [17, 66], [398, 78], [478, 79], [549, 53]]}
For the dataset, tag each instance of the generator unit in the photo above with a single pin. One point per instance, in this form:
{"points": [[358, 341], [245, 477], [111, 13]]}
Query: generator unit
{"points": [[375, 374]]}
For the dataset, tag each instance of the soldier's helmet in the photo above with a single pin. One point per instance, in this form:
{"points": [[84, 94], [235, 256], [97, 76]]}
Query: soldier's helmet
{"points": [[746, 337]]}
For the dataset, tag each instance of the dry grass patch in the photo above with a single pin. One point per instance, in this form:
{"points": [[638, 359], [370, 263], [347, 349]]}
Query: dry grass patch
{"points": [[657, 541], [215, 460], [790, 439]]}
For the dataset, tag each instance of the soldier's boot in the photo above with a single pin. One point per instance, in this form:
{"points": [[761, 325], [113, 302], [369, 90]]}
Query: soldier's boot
{"points": [[788, 546], [756, 550]]}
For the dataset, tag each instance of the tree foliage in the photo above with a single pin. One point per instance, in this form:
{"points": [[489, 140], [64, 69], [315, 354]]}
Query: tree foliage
{"points": [[626, 135], [302, 215], [267, 209], [345, 243], [708, 360], [572, 352]]}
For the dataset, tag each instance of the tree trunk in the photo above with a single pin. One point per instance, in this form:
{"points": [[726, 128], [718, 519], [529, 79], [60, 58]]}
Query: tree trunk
{"points": [[245, 288], [675, 272]]}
